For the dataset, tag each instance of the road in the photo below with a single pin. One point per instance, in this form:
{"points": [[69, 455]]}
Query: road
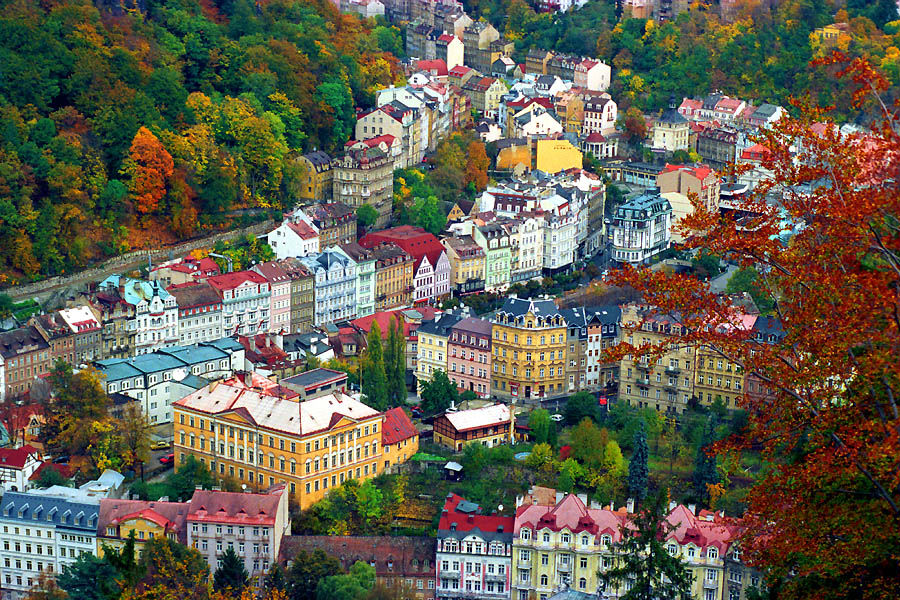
{"points": [[717, 284]]}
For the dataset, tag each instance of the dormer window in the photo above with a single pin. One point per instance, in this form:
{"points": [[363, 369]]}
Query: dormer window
{"points": [[712, 553], [606, 539], [525, 534]]}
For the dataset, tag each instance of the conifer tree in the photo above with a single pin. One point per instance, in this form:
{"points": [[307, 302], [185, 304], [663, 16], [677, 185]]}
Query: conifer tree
{"points": [[374, 380], [637, 467], [395, 364], [231, 575], [705, 465]]}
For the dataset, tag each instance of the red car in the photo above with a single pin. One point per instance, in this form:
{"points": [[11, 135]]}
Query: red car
{"points": [[167, 459]]}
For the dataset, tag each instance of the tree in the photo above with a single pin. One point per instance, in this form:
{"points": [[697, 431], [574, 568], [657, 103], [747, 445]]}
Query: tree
{"points": [[705, 464], [369, 502], [539, 422], [134, 430], [374, 380], [671, 442], [635, 125], [477, 164], [579, 406], [6, 305], [588, 444], [231, 576], [46, 588], [830, 449], [149, 167], [438, 394], [125, 561], [307, 570], [90, 578], [173, 570], [642, 558], [352, 586], [637, 466], [428, 215], [744, 280], [395, 364], [366, 215], [50, 476], [189, 474]]}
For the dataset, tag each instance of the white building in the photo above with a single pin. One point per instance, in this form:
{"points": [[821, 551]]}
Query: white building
{"points": [[17, 466], [560, 231], [199, 312], [593, 75], [641, 229], [294, 238], [246, 302], [155, 322], [335, 286], [526, 243], [474, 553]]}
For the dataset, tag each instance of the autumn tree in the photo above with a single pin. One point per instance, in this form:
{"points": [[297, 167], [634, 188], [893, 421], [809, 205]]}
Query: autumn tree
{"points": [[477, 164], [134, 430], [823, 517], [149, 167], [635, 125]]}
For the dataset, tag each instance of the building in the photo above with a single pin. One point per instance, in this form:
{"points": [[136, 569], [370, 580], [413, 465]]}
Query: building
{"points": [[485, 94], [474, 552], [117, 317], [554, 156], [17, 465], [318, 184], [26, 356], [469, 356], [490, 426], [393, 276], [450, 49], [399, 561], [303, 298], [717, 146], [44, 531], [431, 271], [293, 238], [158, 379], [528, 349], [494, 240], [666, 385], [466, 259], [526, 238], [365, 276], [512, 152], [641, 228], [335, 222], [186, 270], [569, 108], [74, 334], [246, 302], [280, 298], [399, 439], [366, 176], [601, 146], [259, 433], [433, 346], [686, 180], [253, 525], [593, 75], [719, 379], [335, 286], [147, 520], [671, 131], [603, 333], [576, 347], [155, 317], [199, 312], [315, 383], [564, 544], [600, 113]]}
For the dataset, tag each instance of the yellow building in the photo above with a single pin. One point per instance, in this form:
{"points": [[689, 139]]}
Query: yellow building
{"points": [[400, 440], [554, 156], [466, 264], [666, 384], [255, 432], [393, 277], [528, 349], [717, 377], [489, 426], [319, 177], [569, 108], [147, 520], [512, 152]]}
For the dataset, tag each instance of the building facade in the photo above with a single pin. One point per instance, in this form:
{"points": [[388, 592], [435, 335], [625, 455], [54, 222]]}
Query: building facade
{"points": [[303, 298], [466, 259], [469, 356], [528, 349], [489, 426], [603, 333], [393, 276], [199, 312], [26, 355], [319, 175], [246, 302], [335, 286], [433, 346], [494, 240], [641, 229], [365, 277], [155, 321], [280, 297], [365, 176]]}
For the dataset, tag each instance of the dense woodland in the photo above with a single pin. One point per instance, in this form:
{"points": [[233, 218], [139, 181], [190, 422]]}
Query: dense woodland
{"points": [[123, 128]]}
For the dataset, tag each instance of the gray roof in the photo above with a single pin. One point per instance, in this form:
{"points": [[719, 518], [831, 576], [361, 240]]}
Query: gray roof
{"points": [[45, 508], [441, 324], [765, 111], [313, 377], [21, 340], [643, 207], [518, 307], [605, 315], [672, 116]]}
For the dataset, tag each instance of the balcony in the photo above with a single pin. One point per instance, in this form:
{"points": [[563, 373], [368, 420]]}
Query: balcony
{"points": [[495, 576], [564, 567], [710, 584], [644, 382], [672, 370]]}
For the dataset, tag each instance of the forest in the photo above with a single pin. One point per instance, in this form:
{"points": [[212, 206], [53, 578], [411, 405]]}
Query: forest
{"points": [[131, 127]]}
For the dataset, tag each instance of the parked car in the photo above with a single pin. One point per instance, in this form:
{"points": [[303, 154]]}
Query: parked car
{"points": [[160, 444], [167, 459]]}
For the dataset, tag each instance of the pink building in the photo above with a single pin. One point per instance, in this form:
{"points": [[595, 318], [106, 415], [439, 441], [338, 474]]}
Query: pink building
{"points": [[469, 356], [280, 284]]}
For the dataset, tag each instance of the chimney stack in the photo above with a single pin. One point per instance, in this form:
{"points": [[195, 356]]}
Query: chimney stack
{"points": [[692, 508], [630, 505]]}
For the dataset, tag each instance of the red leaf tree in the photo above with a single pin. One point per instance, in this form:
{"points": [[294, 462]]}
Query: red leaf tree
{"points": [[824, 515], [150, 167]]}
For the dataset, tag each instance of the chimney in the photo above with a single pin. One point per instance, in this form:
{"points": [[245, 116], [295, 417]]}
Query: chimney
{"points": [[268, 339], [630, 505], [470, 518], [692, 508]]}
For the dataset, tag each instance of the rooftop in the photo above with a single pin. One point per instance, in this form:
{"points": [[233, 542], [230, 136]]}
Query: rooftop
{"points": [[397, 427], [474, 418]]}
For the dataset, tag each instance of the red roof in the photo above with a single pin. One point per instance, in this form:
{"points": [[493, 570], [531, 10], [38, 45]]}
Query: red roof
{"points": [[16, 458], [459, 70], [467, 521], [374, 141], [755, 152], [302, 229], [446, 37], [414, 240], [595, 138], [65, 470], [229, 281], [701, 172], [397, 427], [213, 506], [437, 66], [729, 104]]}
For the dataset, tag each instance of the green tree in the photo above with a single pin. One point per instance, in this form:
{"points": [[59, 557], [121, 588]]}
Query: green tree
{"points": [[438, 394], [706, 471], [428, 215], [352, 586], [539, 422], [125, 561], [276, 579], [369, 502], [173, 568], [579, 406], [231, 576], [588, 444], [189, 475], [6, 306], [307, 570], [643, 560], [366, 215], [90, 578], [51, 476], [747, 280], [569, 474], [395, 364], [374, 380], [637, 467]]}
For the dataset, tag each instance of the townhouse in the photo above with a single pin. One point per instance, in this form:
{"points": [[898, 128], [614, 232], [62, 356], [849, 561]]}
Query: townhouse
{"points": [[366, 176], [494, 240], [365, 276], [119, 518], [431, 270], [335, 286], [302, 295], [393, 276], [154, 319], [24, 357], [466, 260], [189, 269], [641, 228], [603, 334], [199, 312], [318, 184], [433, 346], [294, 237], [74, 334], [474, 552], [280, 295], [246, 302], [469, 356], [17, 465], [400, 440]]}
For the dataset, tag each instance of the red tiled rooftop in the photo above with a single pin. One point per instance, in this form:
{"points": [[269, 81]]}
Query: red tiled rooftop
{"points": [[397, 427], [463, 521], [16, 458]]}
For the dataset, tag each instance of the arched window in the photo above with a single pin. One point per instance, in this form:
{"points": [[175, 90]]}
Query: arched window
{"points": [[543, 581], [525, 534], [585, 540], [582, 584], [712, 553], [606, 540]]}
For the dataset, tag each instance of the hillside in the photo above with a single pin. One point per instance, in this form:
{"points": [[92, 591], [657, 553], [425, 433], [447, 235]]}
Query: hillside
{"points": [[126, 126]]}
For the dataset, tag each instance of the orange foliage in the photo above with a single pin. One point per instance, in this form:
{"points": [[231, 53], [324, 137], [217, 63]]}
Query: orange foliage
{"points": [[477, 164], [150, 166]]}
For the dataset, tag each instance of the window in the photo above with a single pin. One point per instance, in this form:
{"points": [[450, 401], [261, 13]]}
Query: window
{"points": [[546, 538], [712, 553], [543, 581]]}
